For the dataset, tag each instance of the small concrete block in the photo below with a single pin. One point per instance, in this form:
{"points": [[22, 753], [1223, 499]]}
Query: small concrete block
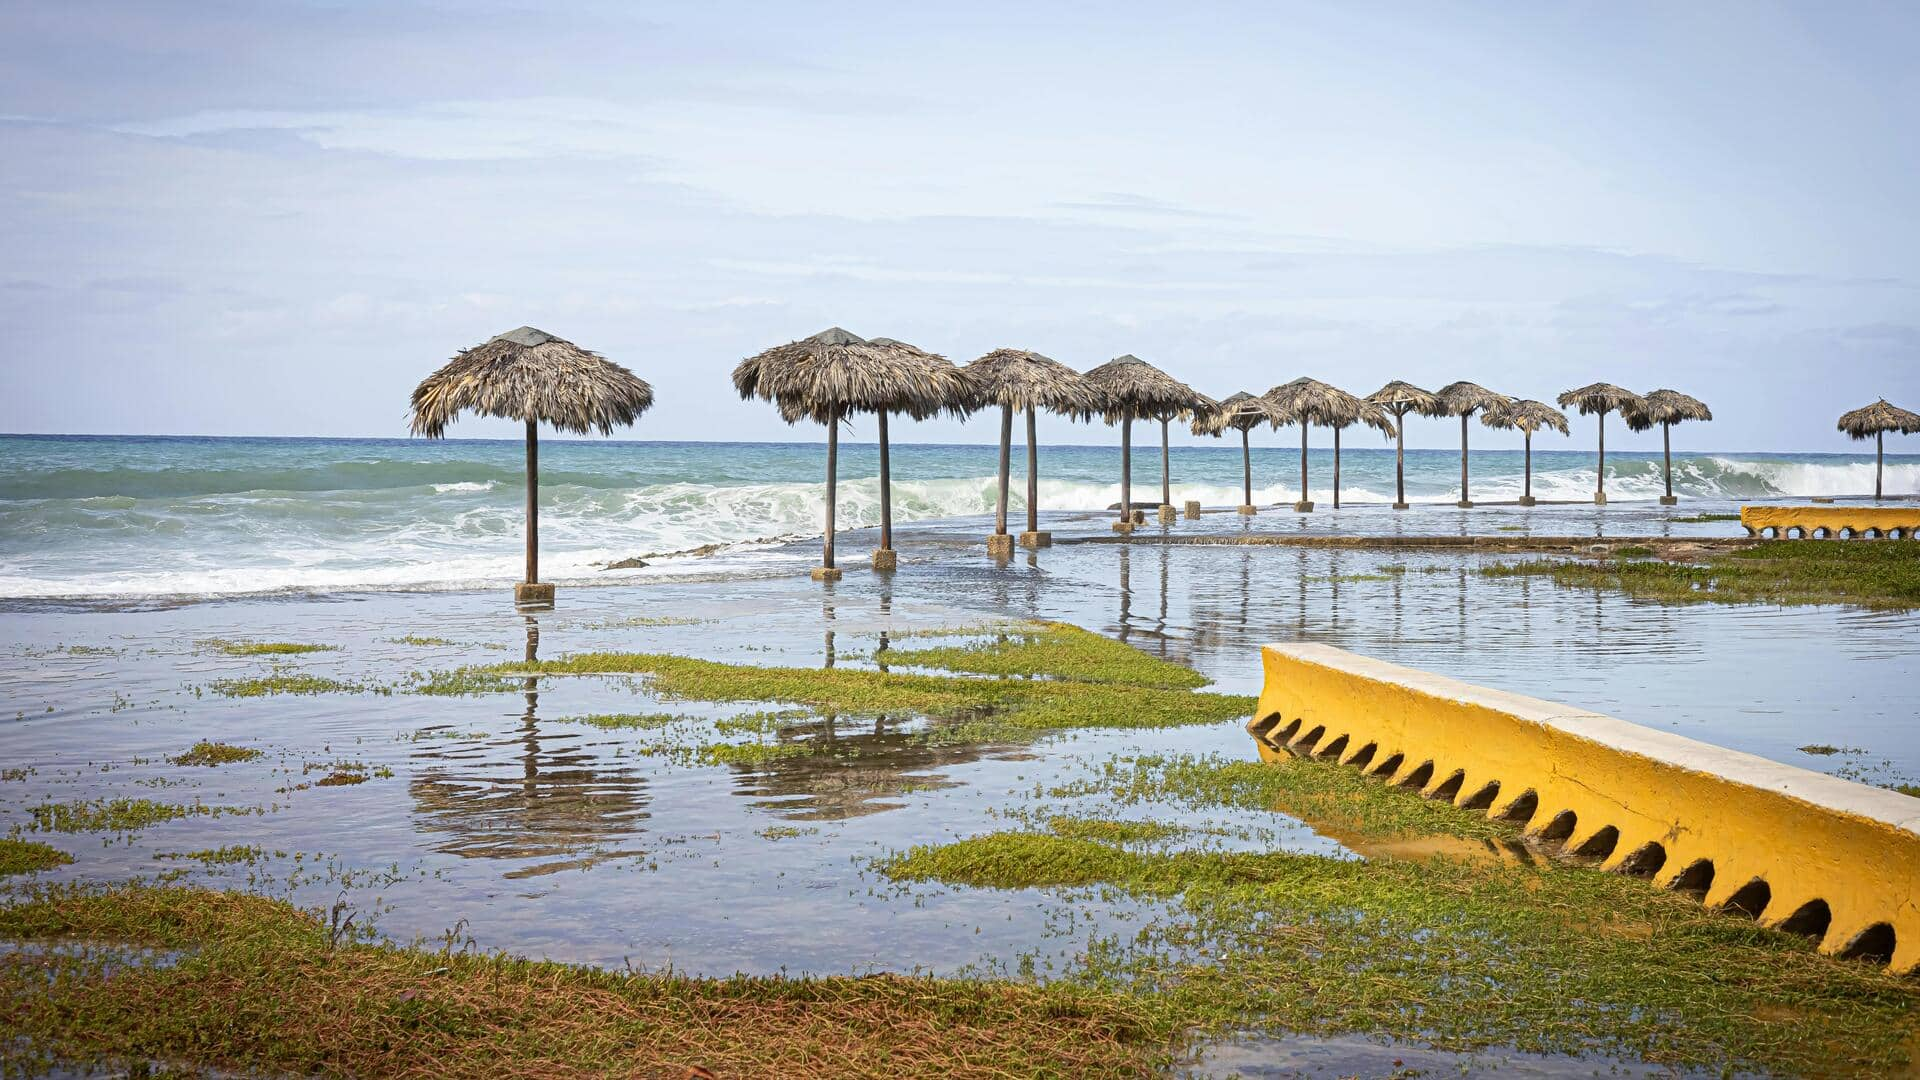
{"points": [[533, 594], [1599, 498], [1399, 506], [1528, 500], [1193, 508], [1669, 500], [1822, 498], [1000, 545], [1168, 514], [1304, 506], [826, 573], [1123, 526], [886, 559], [1139, 517], [1249, 511], [1036, 539]]}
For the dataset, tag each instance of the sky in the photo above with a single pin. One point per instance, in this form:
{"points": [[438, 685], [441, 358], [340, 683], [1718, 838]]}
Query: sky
{"points": [[261, 218]]}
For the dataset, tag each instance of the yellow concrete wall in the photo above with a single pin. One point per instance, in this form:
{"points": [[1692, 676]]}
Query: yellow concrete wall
{"points": [[1886, 519], [1807, 835]]}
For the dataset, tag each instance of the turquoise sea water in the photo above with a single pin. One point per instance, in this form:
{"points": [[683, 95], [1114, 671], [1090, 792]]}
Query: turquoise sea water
{"points": [[146, 517]]}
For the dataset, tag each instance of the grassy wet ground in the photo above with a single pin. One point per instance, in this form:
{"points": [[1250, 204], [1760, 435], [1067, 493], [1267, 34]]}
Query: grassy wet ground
{"points": [[1879, 573], [1445, 937]]}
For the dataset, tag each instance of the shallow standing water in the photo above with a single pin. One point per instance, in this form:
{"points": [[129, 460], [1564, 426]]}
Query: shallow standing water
{"points": [[501, 820]]}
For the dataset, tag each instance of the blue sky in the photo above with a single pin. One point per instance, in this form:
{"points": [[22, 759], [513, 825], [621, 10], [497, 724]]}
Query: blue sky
{"points": [[256, 218]]}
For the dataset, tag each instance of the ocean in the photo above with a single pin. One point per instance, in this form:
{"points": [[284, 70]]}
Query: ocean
{"points": [[157, 517]]}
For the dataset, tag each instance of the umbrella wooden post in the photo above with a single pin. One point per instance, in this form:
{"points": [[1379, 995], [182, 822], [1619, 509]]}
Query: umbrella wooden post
{"points": [[1336, 468], [1666, 453], [1305, 505], [1466, 500], [1600, 474], [1400, 460], [1000, 543], [1033, 537], [885, 558], [1526, 490], [1879, 461], [1246, 474], [531, 593], [1166, 477], [1125, 524], [826, 571]]}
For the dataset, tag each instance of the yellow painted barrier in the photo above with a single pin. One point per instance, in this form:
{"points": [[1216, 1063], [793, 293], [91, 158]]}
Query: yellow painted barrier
{"points": [[1894, 522], [1799, 850]]}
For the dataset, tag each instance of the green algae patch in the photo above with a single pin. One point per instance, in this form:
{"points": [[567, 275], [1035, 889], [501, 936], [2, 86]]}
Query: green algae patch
{"points": [[1453, 953], [109, 815], [280, 682], [629, 721], [29, 857], [231, 855], [1057, 651], [1341, 801], [262, 988], [1881, 574], [263, 648], [421, 641], [971, 710], [214, 753]]}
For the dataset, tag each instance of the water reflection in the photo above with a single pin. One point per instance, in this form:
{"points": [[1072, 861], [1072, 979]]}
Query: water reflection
{"points": [[528, 795], [852, 767]]}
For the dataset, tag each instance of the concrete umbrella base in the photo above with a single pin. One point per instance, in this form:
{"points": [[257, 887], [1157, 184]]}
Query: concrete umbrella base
{"points": [[1036, 539], [1465, 504], [1599, 498], [1168, 514], [533, 594], [1528, 500], [1249, 510], [1123, 526], [1400, 506], [1305, 506], [1669, 500], [826, 573], [886, 559], [1000, 545], [1193, 509]]}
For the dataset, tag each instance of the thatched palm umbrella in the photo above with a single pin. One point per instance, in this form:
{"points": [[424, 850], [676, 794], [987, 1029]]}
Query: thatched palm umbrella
{"points": [[1129, 389], [1666, 408], [1306, 402], [532, 376], [1353, 411], [1876, 420], [1015, 380], [834, 373], [1242, 412], [1598, 400], [1463, 399], [1401, 398], [1528, 416], [937, 386]]}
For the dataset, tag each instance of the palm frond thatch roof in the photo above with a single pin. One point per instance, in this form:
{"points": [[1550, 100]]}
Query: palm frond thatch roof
{"points": [[1666, 407], [1526, 415], [836, 372], [1131, 388], [1600, 397], [1403, 397], [528, 374], [1240, 411], [1311, 401], [1465, 398], [1018, 379], [1882, 415]]}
